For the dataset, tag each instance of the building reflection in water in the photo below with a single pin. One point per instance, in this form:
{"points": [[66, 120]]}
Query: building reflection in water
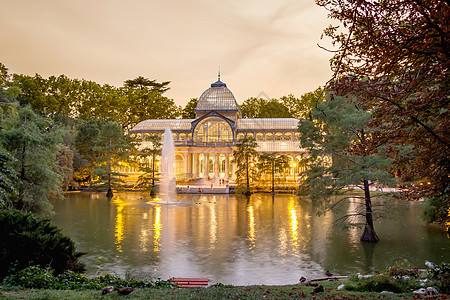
{"points": [[251, 226], [293, 224], [119, 224], [157, 226], [232, 240], [143, 236], [212, 226]]}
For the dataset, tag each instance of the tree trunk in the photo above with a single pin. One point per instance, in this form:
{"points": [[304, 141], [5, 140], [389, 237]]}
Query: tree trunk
{"points": [[109, 168], [369, 234], [247, 190], [109, 193]]}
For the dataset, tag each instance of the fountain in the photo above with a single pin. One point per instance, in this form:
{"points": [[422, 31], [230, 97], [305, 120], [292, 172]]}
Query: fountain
{"points": [[167, 183]]}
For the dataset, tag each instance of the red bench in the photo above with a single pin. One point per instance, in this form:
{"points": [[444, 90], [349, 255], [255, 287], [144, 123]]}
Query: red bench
{"points": [[190, 282]]}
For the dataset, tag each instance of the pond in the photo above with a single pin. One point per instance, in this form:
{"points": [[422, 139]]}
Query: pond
{"points": [[236, 240]]}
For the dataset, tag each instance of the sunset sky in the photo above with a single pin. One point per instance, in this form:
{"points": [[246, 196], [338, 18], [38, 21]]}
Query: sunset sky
{"points": [[262, 46]]}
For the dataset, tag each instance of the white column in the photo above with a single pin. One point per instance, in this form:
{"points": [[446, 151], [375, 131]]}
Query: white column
{"points": [[227, 171], [186, 163], [206, 165], [216, 165], [195, 164]]}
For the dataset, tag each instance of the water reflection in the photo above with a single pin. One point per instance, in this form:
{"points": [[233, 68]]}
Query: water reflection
{"points": [[157, 226], [212, 226], [236, 240], [251, 226], [293, 224], [119, 225]]}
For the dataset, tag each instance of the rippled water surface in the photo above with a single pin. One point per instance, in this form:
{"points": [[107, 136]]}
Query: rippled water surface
{"points": [[237, 240]]}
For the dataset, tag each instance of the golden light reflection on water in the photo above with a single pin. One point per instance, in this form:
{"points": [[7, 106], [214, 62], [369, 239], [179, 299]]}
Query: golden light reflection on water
{"points": [[143, 236], [119, 224], [213, 226], [251, 226], [293, 222], [157, 226]]}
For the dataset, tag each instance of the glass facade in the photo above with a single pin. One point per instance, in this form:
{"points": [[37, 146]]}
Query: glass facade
{"points": [[213, 129]]}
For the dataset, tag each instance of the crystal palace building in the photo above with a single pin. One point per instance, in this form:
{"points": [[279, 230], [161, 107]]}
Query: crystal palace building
{"points": [[204, 146]]}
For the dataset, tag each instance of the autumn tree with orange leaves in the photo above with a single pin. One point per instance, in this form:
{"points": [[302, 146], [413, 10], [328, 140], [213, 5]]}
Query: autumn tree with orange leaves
{"points": [[393, 56]]}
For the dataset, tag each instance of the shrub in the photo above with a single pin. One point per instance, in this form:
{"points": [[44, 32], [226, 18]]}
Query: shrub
{"points": [[29, 240], [39, 278], [379, 283], [402, 270], [441, 275]]}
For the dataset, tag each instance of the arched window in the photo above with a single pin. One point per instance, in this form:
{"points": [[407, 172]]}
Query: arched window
{"points": [[278, 136], [213, 129], [240, 136], [182, 137], [288, 136], [179, 164], [260, 136]]}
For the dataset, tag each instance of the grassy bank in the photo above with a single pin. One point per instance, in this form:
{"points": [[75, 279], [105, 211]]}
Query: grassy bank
{"points": [[214, 292]]}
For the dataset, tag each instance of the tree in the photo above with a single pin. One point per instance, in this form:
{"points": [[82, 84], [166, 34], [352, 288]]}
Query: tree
{"points": [[113, 147], [143, 99], [188, 110], [244, 156], [85, 155], [344, 153], [33, 143], [301, 108], [273, 164], [8, 179], [152, 151], [394, 56], [261, 108]]}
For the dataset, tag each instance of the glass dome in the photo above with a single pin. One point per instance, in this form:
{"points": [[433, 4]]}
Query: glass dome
{"points": [[217, 98]]}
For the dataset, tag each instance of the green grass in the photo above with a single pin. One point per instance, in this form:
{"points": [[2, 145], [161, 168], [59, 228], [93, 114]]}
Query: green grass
{"points": [[214, 292]]}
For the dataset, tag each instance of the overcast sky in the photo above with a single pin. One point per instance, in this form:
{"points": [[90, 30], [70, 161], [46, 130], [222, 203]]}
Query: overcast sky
{"points": [[262, 46]]}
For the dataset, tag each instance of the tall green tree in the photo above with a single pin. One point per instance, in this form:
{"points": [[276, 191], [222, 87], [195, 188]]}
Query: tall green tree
{"points": [[395, 56], [188, 110], [273, 164], [144, 99], [245, 158], [151, 151], [344, 153], [85, 154], [113, 147], [8, 94], [33, 142], [8, 180]]}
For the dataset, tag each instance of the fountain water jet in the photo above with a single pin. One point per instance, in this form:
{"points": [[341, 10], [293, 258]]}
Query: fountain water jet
{"points": [[167, 184]]}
